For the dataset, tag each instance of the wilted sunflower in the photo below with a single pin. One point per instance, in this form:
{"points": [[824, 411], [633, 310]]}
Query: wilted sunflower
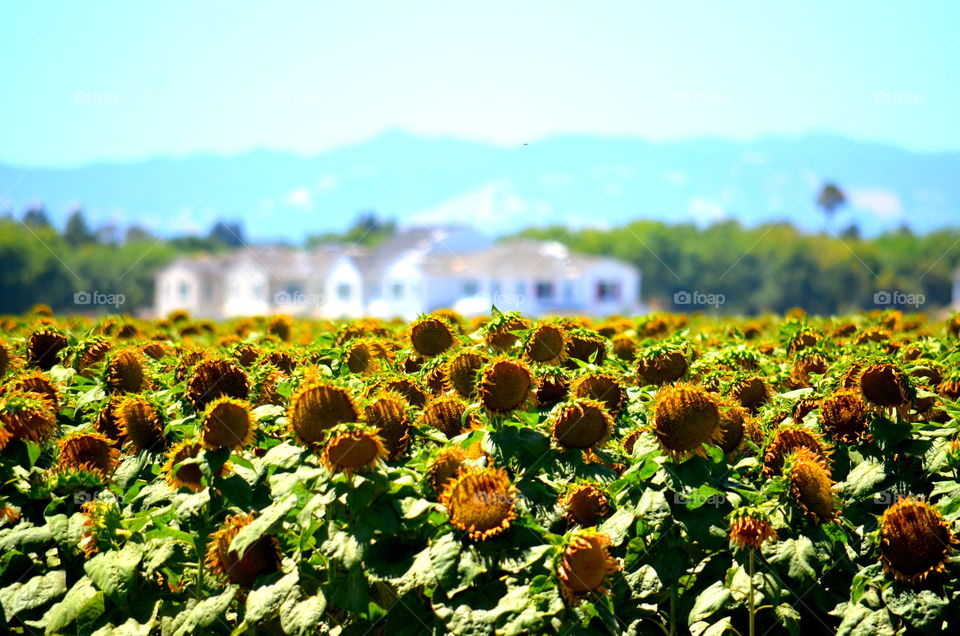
{"points": [[581, 423], [552, 385], [624, 347], [261, 557], [36, 382], [661, 364], [585, 565], [124, 371], [266, 389], [365, 356], [89, 452], [213, 378], [802, 340], [480, 501], [584, 505], [915, 541], [505, 385], [811, 485], [749, 528], [26, 416], [500, 331], [139, 422], [884, 385], [44, 347], [734, 422], [280, 326], [445, 467], [586, 346], [602, 387], [352, 449], [90, 353], [788, 439], [246, 353], [844, 416], [685, 418], [388, 414], [751, 392], [188, 475], [431, 336], [546, 344], [447, 414], [405, 386], [462, 368], [316, 408], [227, 423], [807, 363]]}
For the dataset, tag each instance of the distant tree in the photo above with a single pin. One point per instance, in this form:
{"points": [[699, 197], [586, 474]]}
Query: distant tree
{"points": [[830, 199], [851, 233], [76, 232], [368, 229], [227, 234], [36, 217], [136, 234]]}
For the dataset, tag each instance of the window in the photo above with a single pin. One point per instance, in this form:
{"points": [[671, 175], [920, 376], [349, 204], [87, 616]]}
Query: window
{"points": [[544, 290], [343, 291], [470, 288], [184, 291], [292, 290], [396, 291], [608, 291]]}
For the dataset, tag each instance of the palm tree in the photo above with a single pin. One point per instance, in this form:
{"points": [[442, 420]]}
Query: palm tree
{"points": [[831, 198]]}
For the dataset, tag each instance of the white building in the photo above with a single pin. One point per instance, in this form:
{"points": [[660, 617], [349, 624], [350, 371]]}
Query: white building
{"points": [[414, 272]]}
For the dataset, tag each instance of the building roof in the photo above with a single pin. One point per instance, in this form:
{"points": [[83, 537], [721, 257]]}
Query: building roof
{"points": [[519, 258], [414, 240], [281, 263]]}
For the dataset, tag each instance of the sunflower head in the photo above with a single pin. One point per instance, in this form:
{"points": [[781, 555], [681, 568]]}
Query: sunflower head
{"points": [[44, 347], [787, 439], [811, 485], [883, 384], [462, 368], [844, 416], [215, 377], [431, 336], [448, 414], [91, 352], [449, 461], [801, 340], [281, 327], [685, 418], [752, 392], [546, 344], [90, 452], [750, 527], [139, 422], [735, 421], [602, 387], [124, 371], [27, 416], [352, 449], [36, 382], [480, 501], [260, 558], [624, 347], [584, 505], [227, 423], [586, 346], [317, 407], [388, 413], [915, 541], [365, 356], [500, 332], [581, 423], [505, 384], [102, 526], [402, 385], [552, 385], [188, 476], [807, 362], [585, 565], [660, 364]]}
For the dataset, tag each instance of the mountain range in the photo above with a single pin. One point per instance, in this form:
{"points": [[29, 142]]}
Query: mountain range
{"points": [[578, 181]]}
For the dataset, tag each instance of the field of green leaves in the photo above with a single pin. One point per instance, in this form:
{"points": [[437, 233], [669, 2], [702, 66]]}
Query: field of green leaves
{"points": [[664, 474]]}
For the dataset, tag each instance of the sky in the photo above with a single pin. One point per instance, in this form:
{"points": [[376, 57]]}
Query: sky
{"points": [[118, 81]]}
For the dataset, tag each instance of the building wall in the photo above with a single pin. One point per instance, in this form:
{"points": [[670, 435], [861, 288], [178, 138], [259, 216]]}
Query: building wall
{"points": [[344, 274], [247, 291], [402, 291], [181, 287]]}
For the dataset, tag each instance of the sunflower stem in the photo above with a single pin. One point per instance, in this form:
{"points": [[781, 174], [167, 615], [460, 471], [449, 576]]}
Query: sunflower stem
{"points": [[753, 609], [673, 609]]}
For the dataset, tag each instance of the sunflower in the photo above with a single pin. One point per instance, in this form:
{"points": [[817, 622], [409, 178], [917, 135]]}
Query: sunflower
{"points": [[844, 416], [685, 418], [89, 452], [317, 407], [751, 392], [505, 385], [552, 385], [602, 387], [352, 449], [546, 344], [445, 467], [431, 336], [750, 528], [90, 353], [480, 501], [915, 541], [734, 423], [462, 368], [788, 439], [227, 423], [246, 353], [388, 414], [364, 356], [586, 346], [280, 326], [584, 505], [884, 385], [139, 422], [585, 565], [411, 391], [581, 423], [213, 378], [36, 382], [811, 485], [124, 371], [499, 332], [661, 364], [27, 416], [44, 347], [261, 557], [188, 476], [448, 414], [624, 347], [266, 389]]}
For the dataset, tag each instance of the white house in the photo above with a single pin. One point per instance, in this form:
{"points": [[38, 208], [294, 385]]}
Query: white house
{"points": [[955, 304], [414, 272]]}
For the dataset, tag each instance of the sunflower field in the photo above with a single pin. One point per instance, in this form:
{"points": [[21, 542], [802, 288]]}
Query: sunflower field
{"points": [[665, 474]]}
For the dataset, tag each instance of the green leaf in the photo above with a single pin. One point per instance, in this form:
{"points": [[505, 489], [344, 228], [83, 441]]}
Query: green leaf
{"points": [[265, 601], [923, 609], [618, 525], [262, 525], [644, 583], [25, 537], [300, 618], [860, 620], [204, 613], [83, 604], [709, 602], [799, 557], [114, 572], [444, 557], [36, 592], [862, 481]]}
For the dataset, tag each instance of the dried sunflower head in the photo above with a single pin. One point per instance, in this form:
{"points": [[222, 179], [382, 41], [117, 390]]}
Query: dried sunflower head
{"points": [[787, 439], [317, 407], [215, 377], [388, 413], [227, 423], [89, 452], [449, 461], [481, 502], [261, 557], [581, 423], [546, 344], [883, 384], [352, 449], [750, 527], [844, 416], [585, 565], [190, 475], [462, 368], [26, 416], [915, 541], [500, 332], [584, 505], [448, 414], [431, 336], [553, 385], [685, 418], [44, 347], [602, 387], [811, 485], [660, 364], [505, 384], [124, 371], [139, 422], [586, 346]]}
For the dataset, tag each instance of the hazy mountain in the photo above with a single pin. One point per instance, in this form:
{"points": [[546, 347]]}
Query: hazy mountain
{"points": [[574, 180]]}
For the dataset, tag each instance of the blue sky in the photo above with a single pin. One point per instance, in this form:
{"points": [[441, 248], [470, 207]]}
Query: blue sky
{"points": [[113, 81]]}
